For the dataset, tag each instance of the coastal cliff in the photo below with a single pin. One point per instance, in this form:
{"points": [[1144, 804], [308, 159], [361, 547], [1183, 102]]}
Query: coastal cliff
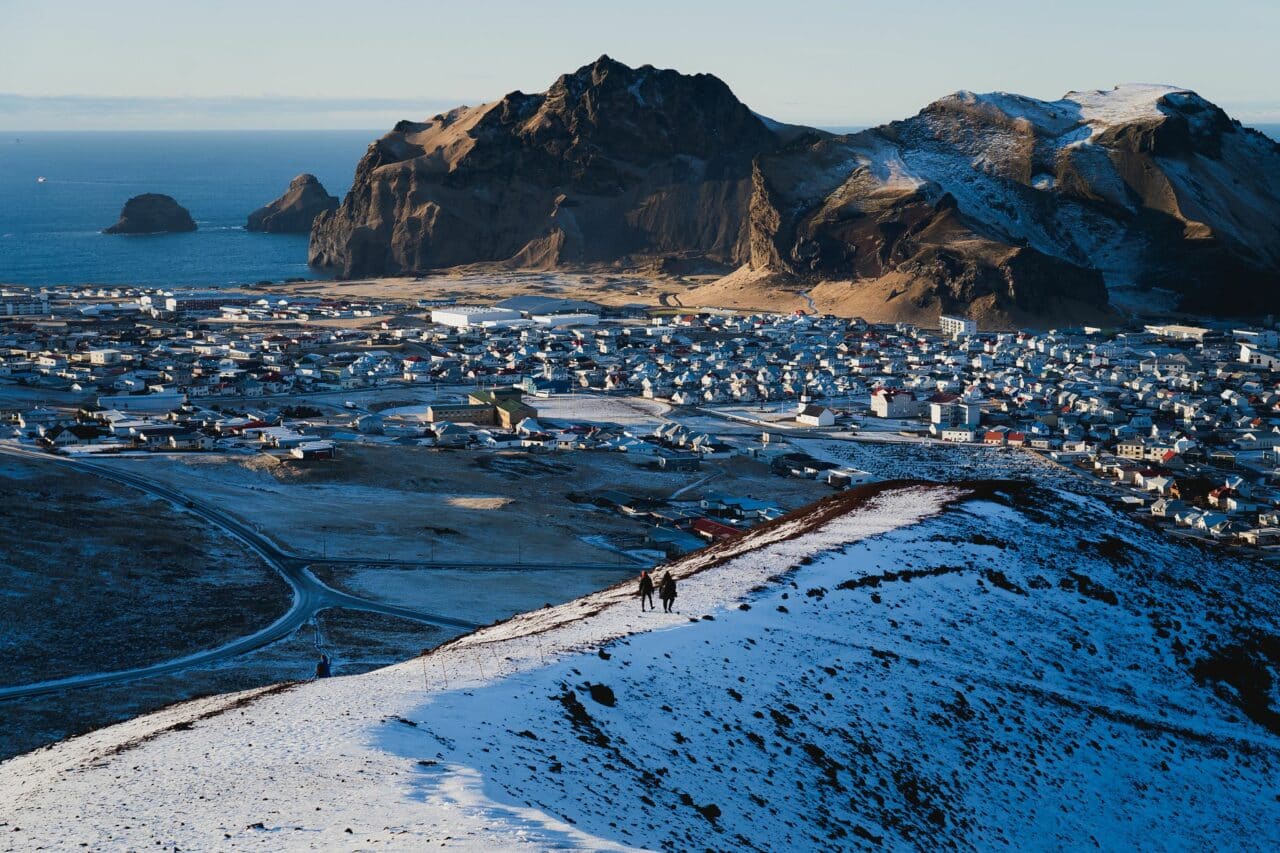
{"points": [[295, 210]]}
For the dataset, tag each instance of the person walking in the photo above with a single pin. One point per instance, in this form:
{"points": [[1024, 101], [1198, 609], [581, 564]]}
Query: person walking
{"points": [[323, 669], [646, 590], [667, 592]]}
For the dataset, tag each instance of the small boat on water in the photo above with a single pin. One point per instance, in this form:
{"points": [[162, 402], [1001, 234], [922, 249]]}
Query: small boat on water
{"points": [[40, 180]]}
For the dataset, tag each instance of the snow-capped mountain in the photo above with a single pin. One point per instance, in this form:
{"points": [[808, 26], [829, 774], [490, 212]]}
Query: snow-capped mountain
{"points": [[905, 666], [1009, 205]]}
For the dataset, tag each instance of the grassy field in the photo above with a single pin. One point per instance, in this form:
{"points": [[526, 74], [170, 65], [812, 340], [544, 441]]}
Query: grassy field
{"points": [[95, 577]]}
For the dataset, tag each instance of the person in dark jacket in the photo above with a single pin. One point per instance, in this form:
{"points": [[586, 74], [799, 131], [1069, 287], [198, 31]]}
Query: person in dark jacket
{"points": [[646, 590], [667, 592], [323, 670]]}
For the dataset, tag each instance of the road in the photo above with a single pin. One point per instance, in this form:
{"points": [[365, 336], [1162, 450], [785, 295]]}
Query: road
{"points": [[310, 595]]}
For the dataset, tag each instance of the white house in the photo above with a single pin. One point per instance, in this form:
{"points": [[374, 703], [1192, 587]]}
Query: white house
{"points": [[894, 403], [818, 416]]}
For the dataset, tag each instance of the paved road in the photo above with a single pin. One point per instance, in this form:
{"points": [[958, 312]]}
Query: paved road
{"points": [[310, 595], [621, 564]]}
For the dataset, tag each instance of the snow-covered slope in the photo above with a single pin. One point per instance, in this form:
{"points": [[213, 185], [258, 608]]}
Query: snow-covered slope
{"points": [[918, 667]]}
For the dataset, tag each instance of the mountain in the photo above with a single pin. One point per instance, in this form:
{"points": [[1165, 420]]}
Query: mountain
{"points": [[904, 666], [293, 212], [1007, 208], [609, 164], [152, 213], [1012, 205]]}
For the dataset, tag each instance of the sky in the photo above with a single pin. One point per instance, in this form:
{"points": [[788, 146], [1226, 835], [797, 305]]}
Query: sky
{"points": [[143, 64]]}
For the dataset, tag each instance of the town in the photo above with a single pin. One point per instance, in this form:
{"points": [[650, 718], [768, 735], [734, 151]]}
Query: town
{"points": [[1180, 424]]}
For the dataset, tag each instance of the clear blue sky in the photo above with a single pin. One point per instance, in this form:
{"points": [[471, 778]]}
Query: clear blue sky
{"points": [[321, 63]]}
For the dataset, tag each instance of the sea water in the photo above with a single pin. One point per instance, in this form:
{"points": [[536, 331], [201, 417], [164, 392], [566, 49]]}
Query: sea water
{"points": [[51, 231]]}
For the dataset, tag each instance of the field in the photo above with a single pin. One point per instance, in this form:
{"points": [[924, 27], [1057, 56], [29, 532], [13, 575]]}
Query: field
{"points": [[413, 503], [89, 568]]}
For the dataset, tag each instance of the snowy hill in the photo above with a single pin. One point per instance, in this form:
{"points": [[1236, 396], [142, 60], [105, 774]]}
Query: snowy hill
{"points": [[905, 666], [1020, 210]]}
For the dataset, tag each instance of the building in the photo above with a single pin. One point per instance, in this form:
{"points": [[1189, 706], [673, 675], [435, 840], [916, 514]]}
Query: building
{"points": [[530, 304], [953, 326], [192, 300], [490, 407], [817, 416], [1258, 357], [314, 450], [468, 316], [23, 303], [1131, 449], [156, 404], [894, 403], [1180, 333]]}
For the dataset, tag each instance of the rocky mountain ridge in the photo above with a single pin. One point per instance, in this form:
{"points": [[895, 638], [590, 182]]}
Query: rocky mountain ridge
{"points": [[1000, 206], [1026, 202]]}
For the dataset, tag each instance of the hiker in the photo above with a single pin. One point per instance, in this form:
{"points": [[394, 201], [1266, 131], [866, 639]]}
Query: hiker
{"points": [[646, 590], [667, 592], [323, 669]]}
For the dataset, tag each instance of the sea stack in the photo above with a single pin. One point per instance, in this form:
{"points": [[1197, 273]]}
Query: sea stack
{"points": [[293, 212], [152, 213]]}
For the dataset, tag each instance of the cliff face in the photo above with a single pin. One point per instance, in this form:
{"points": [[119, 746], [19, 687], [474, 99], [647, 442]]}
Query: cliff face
{"points": [[152, 213], [610, 163], [1035, 203], [293, 212]]}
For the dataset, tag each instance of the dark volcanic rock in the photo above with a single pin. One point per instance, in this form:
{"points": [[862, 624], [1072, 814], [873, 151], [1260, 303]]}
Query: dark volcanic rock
{"points": [[152, 213], [293, 212], [611, 163]]}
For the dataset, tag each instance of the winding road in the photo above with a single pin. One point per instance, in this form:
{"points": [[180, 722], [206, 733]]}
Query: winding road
{"points": [[310, 594]]}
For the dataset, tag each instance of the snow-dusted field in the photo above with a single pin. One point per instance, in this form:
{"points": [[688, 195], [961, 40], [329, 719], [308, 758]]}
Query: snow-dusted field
{"points": [[995, 672], [632, 412]]}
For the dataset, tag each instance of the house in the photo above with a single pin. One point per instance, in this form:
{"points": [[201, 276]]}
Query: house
{"points": [[994, 437], [894, 403], [189, 440], [1261, 536], [844, 478], [957, 435], [671, 460], [673, 542], [817, 416], [713, 530], [73, 435], [1167, 507], [312, 450]]}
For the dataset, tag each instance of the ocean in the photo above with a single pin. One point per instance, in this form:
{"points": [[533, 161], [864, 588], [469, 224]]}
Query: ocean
{"points": [[50, 233]]}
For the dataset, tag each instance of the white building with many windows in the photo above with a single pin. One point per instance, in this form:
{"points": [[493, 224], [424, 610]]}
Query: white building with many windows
{"points": [[953, 326]]}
